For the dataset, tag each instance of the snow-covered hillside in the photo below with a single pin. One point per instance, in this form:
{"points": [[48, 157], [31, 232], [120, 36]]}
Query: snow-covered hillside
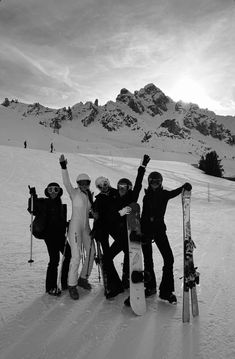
{"points": [[74, 137], [34, 325]]}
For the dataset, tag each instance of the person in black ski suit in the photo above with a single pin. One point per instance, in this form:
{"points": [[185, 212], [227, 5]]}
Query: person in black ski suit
{"points": [[112, 206], [55, 215], [153, 227]]}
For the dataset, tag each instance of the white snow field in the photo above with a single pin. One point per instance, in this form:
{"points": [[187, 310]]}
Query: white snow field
{"points": [[37, 326]]}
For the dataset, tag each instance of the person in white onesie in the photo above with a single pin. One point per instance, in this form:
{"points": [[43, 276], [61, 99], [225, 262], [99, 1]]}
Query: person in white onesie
{"points": [[79, 230]]}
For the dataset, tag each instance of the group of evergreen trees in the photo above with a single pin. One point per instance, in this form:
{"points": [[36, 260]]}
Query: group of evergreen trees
{"points": [[210, 164]]}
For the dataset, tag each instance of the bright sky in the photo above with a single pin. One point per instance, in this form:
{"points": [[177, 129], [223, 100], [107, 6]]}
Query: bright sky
{"points": [[59, 52]]}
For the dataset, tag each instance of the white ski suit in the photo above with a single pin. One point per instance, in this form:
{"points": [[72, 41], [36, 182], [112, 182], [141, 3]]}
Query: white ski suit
{"points": [[79, 230]]}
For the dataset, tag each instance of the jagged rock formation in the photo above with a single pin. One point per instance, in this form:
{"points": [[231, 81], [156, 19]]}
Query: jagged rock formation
{"points": [[148, 111]]}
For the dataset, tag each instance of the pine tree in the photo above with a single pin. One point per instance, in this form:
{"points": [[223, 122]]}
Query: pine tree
{"points": [[210, 164]]}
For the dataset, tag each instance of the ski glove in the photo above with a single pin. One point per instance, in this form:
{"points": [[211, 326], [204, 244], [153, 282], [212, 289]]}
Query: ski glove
{"points": [[187, 186], [145, 160], [32, 191], [63, 162], [124, 211]]}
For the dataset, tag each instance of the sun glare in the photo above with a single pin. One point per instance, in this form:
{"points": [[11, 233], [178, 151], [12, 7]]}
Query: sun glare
{"points": [[189, 90]]}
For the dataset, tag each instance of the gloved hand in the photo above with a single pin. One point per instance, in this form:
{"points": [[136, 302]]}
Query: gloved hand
{"points": [[187, 186], [124, 211], [32, 191], [63, 162], [145, 160]]}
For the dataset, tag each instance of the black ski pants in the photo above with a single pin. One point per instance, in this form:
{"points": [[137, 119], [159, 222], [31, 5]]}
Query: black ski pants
{"points": [[56, 246], [167, 282], [113, 281], [120, 236]]}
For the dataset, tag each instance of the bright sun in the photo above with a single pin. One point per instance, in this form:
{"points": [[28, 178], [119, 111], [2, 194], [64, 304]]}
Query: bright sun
{"points": [[188, 90]]}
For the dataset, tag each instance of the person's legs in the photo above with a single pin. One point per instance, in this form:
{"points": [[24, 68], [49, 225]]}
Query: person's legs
{"points": [[75, 245], [167, 282], [90, 255], [147, 250], [66, 251], [52, 269]]}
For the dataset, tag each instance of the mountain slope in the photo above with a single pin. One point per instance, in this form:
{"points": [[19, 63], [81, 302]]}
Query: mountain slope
{"points": [[146, 120]]}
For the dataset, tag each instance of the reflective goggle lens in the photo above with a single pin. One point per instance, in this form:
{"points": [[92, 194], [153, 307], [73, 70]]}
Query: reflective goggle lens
{"points": [[54, 189], [123, 186], [103, 185], [84, 183]]}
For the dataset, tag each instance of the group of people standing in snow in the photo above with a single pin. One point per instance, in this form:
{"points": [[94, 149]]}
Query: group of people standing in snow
{"points": [[108, 210]]}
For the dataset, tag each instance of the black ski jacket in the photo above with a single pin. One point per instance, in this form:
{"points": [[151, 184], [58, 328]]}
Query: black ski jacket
{"points": [[55, 213], [154, 208], [108, 205]]}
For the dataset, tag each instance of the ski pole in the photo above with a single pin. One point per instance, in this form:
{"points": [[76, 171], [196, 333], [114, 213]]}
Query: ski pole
{"points": [[89, 258], [31, 231]]}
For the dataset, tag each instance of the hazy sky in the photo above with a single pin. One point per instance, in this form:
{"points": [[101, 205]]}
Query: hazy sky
{"points": [[59, 52]]}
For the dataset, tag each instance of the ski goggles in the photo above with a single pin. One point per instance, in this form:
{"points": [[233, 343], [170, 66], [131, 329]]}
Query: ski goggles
{"points": [[103, 185], [155, 181], [53, 189], [123, 186], [84, 183]]}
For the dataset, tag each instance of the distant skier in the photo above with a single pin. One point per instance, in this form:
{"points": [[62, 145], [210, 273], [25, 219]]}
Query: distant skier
{"points": [[79, 230], [153, 228], [52, 147], [54, 233], [25, 144]]}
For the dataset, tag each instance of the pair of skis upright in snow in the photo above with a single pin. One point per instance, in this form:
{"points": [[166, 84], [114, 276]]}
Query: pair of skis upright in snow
{"points": [[191, 276]]}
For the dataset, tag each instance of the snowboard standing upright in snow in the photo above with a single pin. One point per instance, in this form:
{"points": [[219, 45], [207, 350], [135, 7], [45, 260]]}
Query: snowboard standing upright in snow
{"points": [[137, 289], [191, 276]]}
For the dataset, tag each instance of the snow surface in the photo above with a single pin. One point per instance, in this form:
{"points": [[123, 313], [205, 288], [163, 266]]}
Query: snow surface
{"points": [[36, 326]]}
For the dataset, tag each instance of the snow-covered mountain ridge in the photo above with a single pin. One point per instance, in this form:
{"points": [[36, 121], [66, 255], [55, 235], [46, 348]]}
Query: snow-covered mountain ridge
{"points": [[144, 121], [148, 111]]}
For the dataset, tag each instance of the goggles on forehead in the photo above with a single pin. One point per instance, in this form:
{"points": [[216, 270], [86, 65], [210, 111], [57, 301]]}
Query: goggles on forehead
{"points": [[84, 183], [52, 189]]}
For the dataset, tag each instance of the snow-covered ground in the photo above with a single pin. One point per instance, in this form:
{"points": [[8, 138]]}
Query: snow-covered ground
{"points": [[37, 326]]}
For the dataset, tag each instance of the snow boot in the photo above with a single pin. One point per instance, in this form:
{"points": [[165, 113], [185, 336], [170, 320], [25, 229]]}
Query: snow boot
{"points": [[73, 292], [170, 297], [83, 282], [56, 292], [113, 293]]}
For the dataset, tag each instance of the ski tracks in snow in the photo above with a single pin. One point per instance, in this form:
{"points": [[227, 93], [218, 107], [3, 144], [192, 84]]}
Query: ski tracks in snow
{"points": [[91, 328]]}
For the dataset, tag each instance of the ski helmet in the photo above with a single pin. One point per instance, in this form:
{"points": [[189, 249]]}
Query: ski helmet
{"points": [[155, 176], [101, 182], [55, 185], [126, 182], [83, 177]]}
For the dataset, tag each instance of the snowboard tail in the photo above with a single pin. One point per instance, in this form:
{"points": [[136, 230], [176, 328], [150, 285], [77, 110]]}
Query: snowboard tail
{"points": [[191, 275], [137, 276]]}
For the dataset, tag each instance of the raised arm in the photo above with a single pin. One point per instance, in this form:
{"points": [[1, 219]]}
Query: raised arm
{"points": [[65, 175], [139, 177]]}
